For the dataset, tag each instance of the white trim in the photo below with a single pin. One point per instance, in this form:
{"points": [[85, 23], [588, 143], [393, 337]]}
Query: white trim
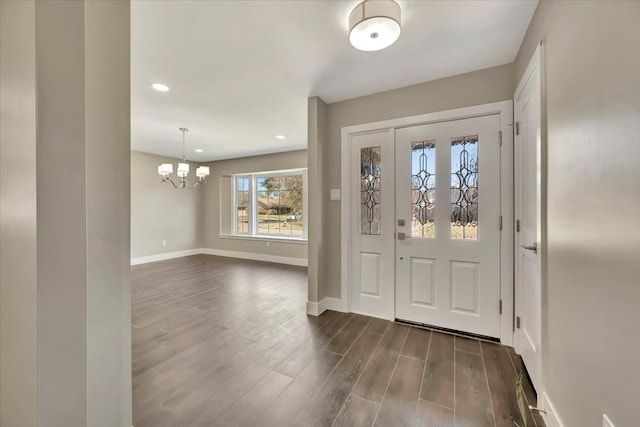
{"points": [[505, 110], [327, 303], [335, 304], [257, 257], [219, 252], [508, 222], [551, 418], [263, 237], [313, 308], [165, 256]]}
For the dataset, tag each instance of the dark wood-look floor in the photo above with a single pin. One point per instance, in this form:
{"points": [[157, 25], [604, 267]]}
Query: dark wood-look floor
{"points": [[226, 342]]}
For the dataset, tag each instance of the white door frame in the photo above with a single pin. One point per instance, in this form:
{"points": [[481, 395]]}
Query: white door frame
{"points": [[505, 110]]}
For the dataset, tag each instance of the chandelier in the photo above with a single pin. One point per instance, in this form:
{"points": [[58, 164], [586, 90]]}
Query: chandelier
{"points": [[166, 169]]}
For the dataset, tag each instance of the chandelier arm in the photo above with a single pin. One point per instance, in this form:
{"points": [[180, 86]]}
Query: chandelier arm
{"points": [[170, 181], [195, 184]]}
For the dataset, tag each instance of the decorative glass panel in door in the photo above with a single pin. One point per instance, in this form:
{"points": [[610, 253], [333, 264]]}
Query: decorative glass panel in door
{"points": [[464, 187], [423, 189], [370, 190]]}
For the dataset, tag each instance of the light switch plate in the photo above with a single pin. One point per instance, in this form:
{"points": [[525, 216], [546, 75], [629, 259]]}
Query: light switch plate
{"points": [[335, 194], [606, 422]]}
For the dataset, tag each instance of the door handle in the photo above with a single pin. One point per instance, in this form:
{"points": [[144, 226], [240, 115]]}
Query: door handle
{"points": [[533, 247], [402, 236]]}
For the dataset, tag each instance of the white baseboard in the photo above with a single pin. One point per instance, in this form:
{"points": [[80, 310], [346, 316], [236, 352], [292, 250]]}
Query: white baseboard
{"points": [[313, 308], [327, 303], [165, 256], [219, 252], [257, 257], [552, 419]]}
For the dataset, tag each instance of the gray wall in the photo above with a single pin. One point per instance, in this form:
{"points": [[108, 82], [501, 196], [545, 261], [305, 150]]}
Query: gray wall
{"points": [[591, 64], [18, 219], [160, 212], [316, 129], [65, 340], [217, 203], [479, 87]]}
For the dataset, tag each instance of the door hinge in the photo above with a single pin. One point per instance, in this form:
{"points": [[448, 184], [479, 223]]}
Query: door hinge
{"points": [[517, 127], [500, 222], [518, 322], [500, 138], [500, 306], [518, 225]]}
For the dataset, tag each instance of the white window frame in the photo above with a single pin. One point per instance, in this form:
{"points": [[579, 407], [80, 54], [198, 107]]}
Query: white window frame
{"points": [[253, 206]]}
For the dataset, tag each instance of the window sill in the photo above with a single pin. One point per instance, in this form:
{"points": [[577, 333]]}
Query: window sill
{"points": [[297, 241]]}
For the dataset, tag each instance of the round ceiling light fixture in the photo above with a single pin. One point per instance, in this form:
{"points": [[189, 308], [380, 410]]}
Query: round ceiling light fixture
{"points": [[374, 25]]}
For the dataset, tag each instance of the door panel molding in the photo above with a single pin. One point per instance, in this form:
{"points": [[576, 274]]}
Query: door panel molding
{"points": [[505, 110]]}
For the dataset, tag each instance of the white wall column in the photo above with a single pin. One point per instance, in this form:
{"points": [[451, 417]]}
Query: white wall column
{"points": [[65, 340]]}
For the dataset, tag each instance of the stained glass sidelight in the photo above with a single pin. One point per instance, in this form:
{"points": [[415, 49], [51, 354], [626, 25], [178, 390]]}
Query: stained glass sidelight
{"points": [[370, 190], [423, 189], [464, 187]]}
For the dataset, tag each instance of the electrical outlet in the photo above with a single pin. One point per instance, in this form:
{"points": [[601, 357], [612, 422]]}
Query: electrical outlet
{"points": [[335, 194], [606, 422], [164, 243]]}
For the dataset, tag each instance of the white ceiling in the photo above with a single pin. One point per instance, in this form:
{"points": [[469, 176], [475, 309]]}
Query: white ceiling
{"points": [[240, 72]]}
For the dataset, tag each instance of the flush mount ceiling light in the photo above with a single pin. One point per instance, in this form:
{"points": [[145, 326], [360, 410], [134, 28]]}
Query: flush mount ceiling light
{"points": [[166, 169], [374, 25], [160, 87], [280, 137]]}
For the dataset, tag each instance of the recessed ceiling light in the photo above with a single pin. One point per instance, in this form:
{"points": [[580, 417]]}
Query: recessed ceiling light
{"points": [[160, 87], [199, 150], [280, 137]]}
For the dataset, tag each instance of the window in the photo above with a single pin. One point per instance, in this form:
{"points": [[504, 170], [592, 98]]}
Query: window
{"points": [[270, 204]]}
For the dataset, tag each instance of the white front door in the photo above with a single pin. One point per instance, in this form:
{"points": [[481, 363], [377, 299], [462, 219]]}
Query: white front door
{"points": [[371, 221], [528, 208], [448, 224]]}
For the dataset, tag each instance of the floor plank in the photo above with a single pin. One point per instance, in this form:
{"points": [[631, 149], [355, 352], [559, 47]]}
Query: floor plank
{"points": [[357, 412], [502, 385], [327, 403], [301, 357], [467, 344], [400, 401], [472, 403], [247, 410], [432, 415], [302, 390], [438, 381], [347, 335], [374, 380], [417, 344]]}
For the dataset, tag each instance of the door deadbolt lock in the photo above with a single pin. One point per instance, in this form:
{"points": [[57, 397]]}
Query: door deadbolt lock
{"points": [[401, 223]]}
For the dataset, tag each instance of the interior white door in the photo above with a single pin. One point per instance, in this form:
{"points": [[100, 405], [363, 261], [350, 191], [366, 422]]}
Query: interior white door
{"points": [[372, 267], [528, 209], [448, 225]]}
